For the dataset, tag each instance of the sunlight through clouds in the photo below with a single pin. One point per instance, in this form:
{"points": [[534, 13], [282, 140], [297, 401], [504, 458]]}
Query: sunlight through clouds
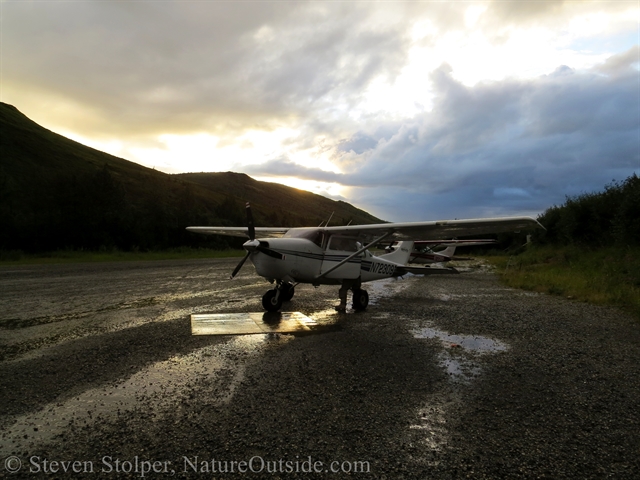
{"points": [[452, 105], [327, 189]]}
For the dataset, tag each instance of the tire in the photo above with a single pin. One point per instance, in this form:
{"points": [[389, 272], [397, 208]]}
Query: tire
{"points": [[270, 303], [360, 299]]}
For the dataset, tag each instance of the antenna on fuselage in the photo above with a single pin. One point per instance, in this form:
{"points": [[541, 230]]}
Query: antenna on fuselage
{"points": [[327, 224]]}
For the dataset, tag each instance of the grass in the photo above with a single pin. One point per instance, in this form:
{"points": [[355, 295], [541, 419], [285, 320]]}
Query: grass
{"points": [[604, 276], [82, 256]]}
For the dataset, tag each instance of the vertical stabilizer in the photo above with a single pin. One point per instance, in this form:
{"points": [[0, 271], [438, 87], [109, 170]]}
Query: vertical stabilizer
{"points": [[447, 252], [401, 253]]}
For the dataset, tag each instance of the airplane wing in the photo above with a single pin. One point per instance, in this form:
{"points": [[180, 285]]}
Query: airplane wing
{"points": [[268, 232], [437, 229], [399, 231]]}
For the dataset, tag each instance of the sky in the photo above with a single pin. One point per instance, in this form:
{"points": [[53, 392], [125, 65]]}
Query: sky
{"points": [[411, 110]]}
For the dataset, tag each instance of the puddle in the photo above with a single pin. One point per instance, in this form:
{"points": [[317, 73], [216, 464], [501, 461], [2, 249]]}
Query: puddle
{"points": [[472, 343], [328, 316], [446, 297], [387, 286], [459, 360], [249, 323], [459, 369]]}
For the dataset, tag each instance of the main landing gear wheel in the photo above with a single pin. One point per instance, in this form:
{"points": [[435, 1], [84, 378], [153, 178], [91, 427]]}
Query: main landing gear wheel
{"points": [[287, 291], [271, 301], [360, 299]]}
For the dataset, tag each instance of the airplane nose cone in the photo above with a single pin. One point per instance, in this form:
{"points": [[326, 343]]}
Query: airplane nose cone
{"points": [[251, 245]]}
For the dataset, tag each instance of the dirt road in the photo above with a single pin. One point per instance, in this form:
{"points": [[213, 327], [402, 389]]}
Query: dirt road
{"points": [[441, 377]]}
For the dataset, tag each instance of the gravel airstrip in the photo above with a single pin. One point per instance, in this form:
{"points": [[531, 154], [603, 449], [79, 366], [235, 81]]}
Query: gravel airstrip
{"points": [[442, 377]]}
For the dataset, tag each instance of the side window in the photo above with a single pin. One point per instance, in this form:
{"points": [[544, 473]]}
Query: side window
{"points": [[346, 244]]}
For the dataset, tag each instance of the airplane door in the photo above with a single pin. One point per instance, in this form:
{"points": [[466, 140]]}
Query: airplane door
{"points": [[338, 248]]}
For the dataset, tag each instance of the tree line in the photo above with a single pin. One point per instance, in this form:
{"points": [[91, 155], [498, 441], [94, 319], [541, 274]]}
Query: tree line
{"points": [[611, 217]]}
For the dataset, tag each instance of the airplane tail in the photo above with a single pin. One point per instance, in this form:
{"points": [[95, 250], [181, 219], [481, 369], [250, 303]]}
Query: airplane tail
{"points": [[401, 253], [448, 252]]}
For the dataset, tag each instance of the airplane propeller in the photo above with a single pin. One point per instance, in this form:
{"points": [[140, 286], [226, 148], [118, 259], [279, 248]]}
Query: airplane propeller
{"points": [[251, 228], [239, 266], [252, 244]]}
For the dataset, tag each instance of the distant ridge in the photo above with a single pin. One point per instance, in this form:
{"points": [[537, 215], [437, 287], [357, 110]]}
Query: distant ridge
{"points": [[57, 193], [283, 202]]}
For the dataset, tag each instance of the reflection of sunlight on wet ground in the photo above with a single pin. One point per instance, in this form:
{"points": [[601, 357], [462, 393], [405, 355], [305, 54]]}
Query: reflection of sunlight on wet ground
{"points": [[250, 323], [385, 287], [328, 316], [458, 358], [165, 383], [471, 343]]}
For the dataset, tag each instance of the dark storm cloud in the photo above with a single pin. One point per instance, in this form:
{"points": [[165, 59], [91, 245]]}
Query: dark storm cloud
{"points": [[501, 147], [500, 12], [134, 70], [155, 67], [140, 63]]}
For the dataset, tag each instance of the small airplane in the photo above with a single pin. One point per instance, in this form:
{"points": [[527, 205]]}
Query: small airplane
{"points": [[424, 253], [340, 255]]}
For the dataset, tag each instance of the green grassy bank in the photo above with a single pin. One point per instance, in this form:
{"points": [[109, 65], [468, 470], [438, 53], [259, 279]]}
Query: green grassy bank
{"points": [[603, 276], [14, 257]]}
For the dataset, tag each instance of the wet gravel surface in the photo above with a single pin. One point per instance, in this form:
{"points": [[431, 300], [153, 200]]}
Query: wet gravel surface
{"points": [[441, 377]]}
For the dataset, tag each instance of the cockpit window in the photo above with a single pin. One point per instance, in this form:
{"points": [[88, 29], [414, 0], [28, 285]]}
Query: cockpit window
{"points": [[347, 244]]}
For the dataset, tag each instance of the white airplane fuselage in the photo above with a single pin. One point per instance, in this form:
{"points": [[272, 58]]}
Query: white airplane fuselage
{"points": [[340, 255], [303, 261]]}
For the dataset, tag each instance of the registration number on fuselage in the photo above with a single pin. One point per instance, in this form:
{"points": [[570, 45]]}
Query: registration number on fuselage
{"points": [[383, 268]]}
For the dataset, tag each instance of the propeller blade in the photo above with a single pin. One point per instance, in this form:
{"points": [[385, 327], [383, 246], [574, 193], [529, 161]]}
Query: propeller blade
{"points": [[237, 269], [251, 227]]}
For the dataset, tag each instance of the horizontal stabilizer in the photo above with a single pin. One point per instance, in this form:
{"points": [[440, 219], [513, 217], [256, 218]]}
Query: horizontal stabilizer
{"points": [[404, 269]]}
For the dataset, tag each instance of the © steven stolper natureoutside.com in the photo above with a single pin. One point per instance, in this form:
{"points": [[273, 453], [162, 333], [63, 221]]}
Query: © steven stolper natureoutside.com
{"points": [[421, 253]]}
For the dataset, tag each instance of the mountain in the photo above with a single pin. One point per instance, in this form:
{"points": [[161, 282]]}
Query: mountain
{"points": [[279, 204], [57, 193]]}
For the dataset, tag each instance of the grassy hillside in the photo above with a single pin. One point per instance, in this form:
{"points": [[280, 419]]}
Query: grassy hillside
{"points": [[278, 204], [59, 194]]}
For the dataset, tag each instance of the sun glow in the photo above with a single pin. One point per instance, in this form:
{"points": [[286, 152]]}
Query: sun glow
{"points": [[470, 38], [331, 190], [478, 54]]}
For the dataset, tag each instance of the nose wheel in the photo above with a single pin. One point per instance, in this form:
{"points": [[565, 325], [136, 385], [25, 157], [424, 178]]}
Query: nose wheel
{"points": [[273, 299]]}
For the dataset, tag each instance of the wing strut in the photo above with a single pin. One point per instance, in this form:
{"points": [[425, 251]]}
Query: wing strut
{"points": [[379, 239]]}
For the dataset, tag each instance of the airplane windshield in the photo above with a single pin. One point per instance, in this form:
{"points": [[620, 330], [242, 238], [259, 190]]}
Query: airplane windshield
{"points": [[310, 234]]}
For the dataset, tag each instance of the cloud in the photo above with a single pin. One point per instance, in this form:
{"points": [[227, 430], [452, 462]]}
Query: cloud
{"points": [[381, 90], [503, 146], [153, 67], [181, 66], [283, 167]]}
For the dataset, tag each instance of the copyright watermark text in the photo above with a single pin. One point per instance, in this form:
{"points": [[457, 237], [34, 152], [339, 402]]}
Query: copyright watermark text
{"points": [[185, 465]]}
